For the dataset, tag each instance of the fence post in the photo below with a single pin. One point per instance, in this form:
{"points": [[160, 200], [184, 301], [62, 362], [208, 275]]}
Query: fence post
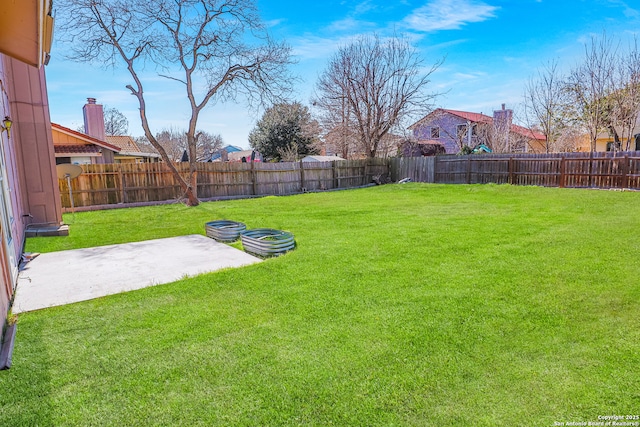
{"points": [[435, 169], [625, 172], [563, 166], [123, 193], [590, 181], [253, 178], [302, 189], [364, 178], [468, 169], [511, 170], [335, 174]]}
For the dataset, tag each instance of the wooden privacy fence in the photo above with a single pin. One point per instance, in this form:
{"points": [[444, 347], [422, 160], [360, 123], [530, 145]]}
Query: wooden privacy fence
{"points": [[121, 183], [577, 170], [130, 183]]}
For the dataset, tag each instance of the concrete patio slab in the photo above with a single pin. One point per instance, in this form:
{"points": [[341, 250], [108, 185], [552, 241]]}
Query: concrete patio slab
{"points": [[65, 277]]}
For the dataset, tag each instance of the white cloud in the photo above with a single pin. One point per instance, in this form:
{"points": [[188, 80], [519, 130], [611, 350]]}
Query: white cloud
{"points": [[274, 23], [449, 14], [628, 11], [348, 24], [364, 7], [469, 76], [314, 47]]}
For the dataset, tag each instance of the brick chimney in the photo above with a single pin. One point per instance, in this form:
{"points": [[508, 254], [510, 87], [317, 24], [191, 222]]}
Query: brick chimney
{"points": [[93, 119], [503, 118]]}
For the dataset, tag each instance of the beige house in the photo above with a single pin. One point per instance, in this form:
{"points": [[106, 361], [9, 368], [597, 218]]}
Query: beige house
{"points": [[94, 147], [611, 139], [79, 148], [130, 152]]}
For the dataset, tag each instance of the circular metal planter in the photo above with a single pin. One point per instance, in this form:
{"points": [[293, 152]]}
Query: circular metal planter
{"points": [[267, 242], [224, 231]]}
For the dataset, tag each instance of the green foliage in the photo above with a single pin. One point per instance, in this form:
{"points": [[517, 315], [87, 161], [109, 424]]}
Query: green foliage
{"points": [[285, 132], [404, 305], [465, 150]]}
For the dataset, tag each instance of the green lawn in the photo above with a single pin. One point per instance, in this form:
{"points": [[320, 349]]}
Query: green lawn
{"points": [[425, 305]]}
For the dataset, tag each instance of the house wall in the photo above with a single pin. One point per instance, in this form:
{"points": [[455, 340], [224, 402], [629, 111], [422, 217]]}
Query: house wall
{"points": [[601, 144], [60, 138], [448, 124], [9, 203], [34, 154], [29, 192]]}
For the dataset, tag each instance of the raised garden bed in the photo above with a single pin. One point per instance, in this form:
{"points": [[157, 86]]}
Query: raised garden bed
{"points": [[224, 230], [267, 242]]}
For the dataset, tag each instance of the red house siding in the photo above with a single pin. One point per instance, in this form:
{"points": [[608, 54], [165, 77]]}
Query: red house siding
{"points": [[32, 197], [35, 156]]}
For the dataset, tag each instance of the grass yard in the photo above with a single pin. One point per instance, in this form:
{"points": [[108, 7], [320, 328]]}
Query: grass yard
{"points": [[403, 305]]}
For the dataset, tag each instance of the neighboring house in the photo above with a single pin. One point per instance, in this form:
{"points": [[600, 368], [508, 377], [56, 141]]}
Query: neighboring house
{"points": [[232, 153], [222, 154], [455, 129], [79, 148], [29, 196], [614, 140], [314, 158], [94, 147], [244, 156], [129, 151]]}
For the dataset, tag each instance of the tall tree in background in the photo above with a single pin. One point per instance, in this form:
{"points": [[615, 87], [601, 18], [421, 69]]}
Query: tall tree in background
{"points": [[174, 142], [370, 86], [624, 101], [590, 83], [216, 49], [286, 132], [547, 105], [115, 123]]}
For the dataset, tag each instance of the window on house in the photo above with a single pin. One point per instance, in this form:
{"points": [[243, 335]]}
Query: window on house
{"points": [[461, 131], [6, 210], [613, 146], [638, 142], [435, 132], [63, 160]]}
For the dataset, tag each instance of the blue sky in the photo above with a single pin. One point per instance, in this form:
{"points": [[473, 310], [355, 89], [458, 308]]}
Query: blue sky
{"points": [[491, 48]]}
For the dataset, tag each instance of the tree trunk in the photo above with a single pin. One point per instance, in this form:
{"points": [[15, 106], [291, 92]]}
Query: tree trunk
{"points": [[189, 189], [192, 192]]}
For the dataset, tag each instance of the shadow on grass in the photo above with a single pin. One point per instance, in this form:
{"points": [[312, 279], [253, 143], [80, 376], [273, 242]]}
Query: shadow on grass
{"points": [[25, 389]]}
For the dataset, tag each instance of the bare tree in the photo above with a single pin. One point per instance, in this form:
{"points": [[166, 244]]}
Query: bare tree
{"points": [[339, 136], [569, 140], [370, 86], [207, 145], [216, 49], [143, 143], [590, 83], [174, 142], [115, 123], [339, 140], [624, 100], [546, 104]]}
